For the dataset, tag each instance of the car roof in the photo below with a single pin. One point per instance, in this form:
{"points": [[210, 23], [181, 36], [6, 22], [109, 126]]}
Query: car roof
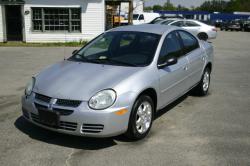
{"points": [[148, 28]]}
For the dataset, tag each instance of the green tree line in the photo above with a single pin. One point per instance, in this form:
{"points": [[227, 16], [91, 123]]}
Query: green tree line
{"points": [[211, 6]]}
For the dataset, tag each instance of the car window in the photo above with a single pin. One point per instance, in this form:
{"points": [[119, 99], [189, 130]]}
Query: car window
{"points": [[178, 24], [141, 17], [190, 43], [171, 47], [191, 24], [167, 22], [127, 39], [135, 16]]}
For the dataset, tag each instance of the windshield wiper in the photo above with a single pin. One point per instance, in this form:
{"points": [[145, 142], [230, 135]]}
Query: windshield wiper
{"points": [[114, 61], [82, 58], [100, 60]]}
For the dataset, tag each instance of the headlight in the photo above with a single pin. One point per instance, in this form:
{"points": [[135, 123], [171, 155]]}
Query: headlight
{"points": [[102, 99], [30, 86]]}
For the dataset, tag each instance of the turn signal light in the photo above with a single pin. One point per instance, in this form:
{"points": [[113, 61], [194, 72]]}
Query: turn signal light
{"points": [[121, 112]]}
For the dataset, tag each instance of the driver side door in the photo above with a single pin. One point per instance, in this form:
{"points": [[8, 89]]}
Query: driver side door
{"points": [[173, 80]]}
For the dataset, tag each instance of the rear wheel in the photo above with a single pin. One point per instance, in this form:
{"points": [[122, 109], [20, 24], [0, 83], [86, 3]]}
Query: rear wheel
{"points": [[141, 118], [203, 36], [202, 88]]}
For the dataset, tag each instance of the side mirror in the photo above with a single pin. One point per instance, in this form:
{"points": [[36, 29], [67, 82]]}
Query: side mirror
{"points": [[169, 62], [74, 52]]}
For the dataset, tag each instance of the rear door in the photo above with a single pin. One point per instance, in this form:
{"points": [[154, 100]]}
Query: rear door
{"points": [[195, 56], [173, 79], [192, 27]]}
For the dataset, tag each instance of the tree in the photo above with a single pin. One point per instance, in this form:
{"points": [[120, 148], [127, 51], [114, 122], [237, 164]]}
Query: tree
{"points": [[148, 8], [182, 8], [224, 6], [169, 6], [239, 5], [213, 6], [157, 7]]}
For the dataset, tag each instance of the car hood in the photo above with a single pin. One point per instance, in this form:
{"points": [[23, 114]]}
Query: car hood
{"points": [[80, 81]]}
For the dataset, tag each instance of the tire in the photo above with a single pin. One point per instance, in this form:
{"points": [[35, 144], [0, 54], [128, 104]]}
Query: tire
{"points": [[138, 130], [203, 87], [203, 36]]}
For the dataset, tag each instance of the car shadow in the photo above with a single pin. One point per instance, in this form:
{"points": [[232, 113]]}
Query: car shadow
{"points": [[78, 142], [161, 112]]}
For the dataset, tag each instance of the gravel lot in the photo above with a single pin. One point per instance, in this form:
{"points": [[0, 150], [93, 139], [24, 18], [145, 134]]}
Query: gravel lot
{"points": [[213, 130]]}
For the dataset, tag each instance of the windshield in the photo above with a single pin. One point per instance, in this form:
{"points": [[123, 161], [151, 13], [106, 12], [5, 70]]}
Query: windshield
{"points": [[157, 20], [135, 16], [120, 48]]}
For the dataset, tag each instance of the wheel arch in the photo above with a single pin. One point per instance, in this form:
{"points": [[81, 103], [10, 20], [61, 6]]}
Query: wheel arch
{"points": [[203, 33], [209, 65], [151, 92]]}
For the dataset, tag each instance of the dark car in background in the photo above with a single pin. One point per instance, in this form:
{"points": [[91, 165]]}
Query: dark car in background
{"points": [[246, 25], [235, 25], [224, 25]]}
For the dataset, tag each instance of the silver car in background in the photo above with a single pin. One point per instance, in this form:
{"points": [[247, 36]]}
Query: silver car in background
{"points": [[116, 83], [197, 28]]}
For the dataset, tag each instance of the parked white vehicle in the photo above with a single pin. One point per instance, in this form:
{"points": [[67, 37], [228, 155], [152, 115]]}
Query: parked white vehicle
{"points": [[201, 30], [144, 18]]}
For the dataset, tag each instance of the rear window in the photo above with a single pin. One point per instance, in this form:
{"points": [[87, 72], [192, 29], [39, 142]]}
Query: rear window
{"points": [[191, 24]]}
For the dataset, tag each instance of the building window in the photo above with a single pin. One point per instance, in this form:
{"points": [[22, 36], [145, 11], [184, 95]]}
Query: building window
{"points": [[56, 19]]}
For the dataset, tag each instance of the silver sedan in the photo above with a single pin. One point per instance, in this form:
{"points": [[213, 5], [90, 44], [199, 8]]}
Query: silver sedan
{"points": [[201, 30], [116, 83]]}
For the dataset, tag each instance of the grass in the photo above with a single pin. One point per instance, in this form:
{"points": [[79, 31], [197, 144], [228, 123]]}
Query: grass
{"points": [[23, 44]]}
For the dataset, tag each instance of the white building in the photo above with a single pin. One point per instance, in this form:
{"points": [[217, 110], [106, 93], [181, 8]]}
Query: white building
{"points": [[53, 20]]}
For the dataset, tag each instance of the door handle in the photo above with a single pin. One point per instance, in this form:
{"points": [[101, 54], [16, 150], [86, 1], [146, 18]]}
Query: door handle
{"points": [[185, 68], [203, 58]]}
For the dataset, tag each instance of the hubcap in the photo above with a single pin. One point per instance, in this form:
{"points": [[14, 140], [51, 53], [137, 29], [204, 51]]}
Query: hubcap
{"points": [[143, 117], [206, 80]]}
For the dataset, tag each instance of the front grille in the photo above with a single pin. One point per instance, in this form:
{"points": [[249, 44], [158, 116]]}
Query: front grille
{"points": [[43, 98], [63, 112], [59, 102], [68, 103], [40, 107], [69, 126], [92, 128]]}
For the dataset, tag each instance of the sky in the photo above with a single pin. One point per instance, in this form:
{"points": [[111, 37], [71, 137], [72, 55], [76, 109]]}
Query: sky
{"points": [[187, 3]]}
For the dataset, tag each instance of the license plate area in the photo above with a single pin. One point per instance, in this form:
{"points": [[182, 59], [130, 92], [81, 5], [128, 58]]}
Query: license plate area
{"points": [[49, 118]]}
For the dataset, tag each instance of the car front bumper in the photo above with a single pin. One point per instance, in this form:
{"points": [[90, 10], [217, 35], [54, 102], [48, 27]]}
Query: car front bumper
{"points": [[83, 121]]}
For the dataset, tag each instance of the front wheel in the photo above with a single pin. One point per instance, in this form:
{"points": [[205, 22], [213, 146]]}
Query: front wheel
{"points": [[141, 118], [202, 88]]}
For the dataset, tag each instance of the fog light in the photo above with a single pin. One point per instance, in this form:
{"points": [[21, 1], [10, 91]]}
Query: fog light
{"points": [[121, 112]]}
